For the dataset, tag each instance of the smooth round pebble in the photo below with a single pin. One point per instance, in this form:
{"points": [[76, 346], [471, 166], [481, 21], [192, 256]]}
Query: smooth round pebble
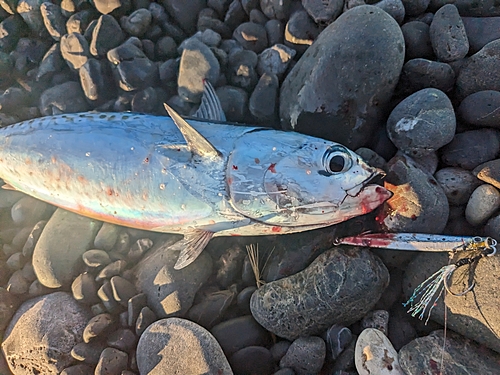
{"points": [[420, 73], [97, 326], [483, 202], [112, 361], [489, 172], [378, 319], [374, 354], [481, 109], [88, 352], [422, 123], [96, 258], [252, 360], [165, 345], [251, 36], [417, 40], [305, 355], [457, 183]]}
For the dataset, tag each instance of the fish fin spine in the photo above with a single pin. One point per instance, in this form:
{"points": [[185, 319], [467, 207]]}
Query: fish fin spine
{"points": [[191, 246], [210, 107]]}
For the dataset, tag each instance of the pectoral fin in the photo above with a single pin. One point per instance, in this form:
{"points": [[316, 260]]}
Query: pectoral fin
{"points": [[191, 247], [210, 107], [6, 186], [197, 144]]}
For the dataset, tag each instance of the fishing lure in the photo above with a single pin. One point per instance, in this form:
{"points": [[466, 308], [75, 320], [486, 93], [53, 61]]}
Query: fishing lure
{"points": [[426, 294]]}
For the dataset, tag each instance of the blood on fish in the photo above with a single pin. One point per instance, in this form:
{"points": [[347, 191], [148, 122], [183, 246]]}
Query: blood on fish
{"points": [[229, 180], [276, 229], [235, 167], [257, 161], [146, 160], [271, 168]]}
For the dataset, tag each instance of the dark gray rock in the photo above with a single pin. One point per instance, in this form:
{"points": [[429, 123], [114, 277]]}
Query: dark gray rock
{"points": [[78, 370], [57, 255], [469, 8], [275, 60], [420, 74], [241, 70], [415, 7], [12, 98], [275, 30], [243, 299], [117, 7], [473, 315], [29, 210], [75, 50], [106, 35], [107, 236], [471, 148], [197, 63], [99, 325], [483, 202], [251, 36], [305, 356], [278, 9], [250, 333], [84, 289], [88, 352], [17, 283], [29, 10], [54, 21], [51, 63], [422, 123], [417, 40], [481, 109], [252, 360], [480, 31], [138, 22], [79, 21], [185, 12], [479, 71], [457, 183], [337, 339], [131, 67], [123, 290], [211, 309], [393, 7], [448, 36], [264, 98], [419, 203], [67, 97], [166, 344], [229, 266], [323, 12], [300, 31], [332, 92], [296, 306], [257, 17], [166, 48], [235, 15], [42, 333], [209, 23], [112, 361], [112, 269], [141, 246], [460, 356], [234, 102], [96, 258], [144, 320], [489, 172], [170, 292], [122, 339], [11, 29]]}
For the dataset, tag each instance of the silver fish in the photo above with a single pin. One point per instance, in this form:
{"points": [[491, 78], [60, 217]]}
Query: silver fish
{"points": [[198, 178]]}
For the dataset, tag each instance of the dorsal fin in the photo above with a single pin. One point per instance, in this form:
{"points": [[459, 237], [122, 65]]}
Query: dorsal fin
{"points": [[197, 144], [210, 107]]}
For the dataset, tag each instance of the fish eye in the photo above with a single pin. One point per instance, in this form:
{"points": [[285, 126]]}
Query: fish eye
{"points": [[337, 161]]}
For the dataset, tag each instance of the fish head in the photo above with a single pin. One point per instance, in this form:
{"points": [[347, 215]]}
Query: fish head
{"points": [[312, 182]]}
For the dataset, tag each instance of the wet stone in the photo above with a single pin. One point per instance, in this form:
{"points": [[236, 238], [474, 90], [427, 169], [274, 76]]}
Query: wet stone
{"points": [[480, 31], [300, 31], [251, 36], [84, 289], [471, 148], [481, 109], [88, 352], [279, 306], [264, 98], [326, 84], [457, 183], [96, 258], [479, 72], [197, 63], [420, 74], [422, 123], [42, 333], [138, 22], [243, 299], [67, 97], [460, 355], [166, 344], [106, 35], [99, 325], [17, 283], [447, 33], [306, 355], [383, 359], [252, 360], [53, 19], [483, 202], [112, 361], [250, 333]]}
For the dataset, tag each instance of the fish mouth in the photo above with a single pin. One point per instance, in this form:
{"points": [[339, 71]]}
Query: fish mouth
{"points": [[376, 174]]}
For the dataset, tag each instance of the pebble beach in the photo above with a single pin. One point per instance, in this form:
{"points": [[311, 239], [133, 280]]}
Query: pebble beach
{"points": [[412, 86]]}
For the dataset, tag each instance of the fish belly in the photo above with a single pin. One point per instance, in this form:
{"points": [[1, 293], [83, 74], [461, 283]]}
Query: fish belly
{"points": [[128, 169]]}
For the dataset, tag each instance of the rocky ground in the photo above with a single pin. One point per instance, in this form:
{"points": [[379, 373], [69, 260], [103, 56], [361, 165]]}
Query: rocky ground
{"points": [[412, 85]]}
